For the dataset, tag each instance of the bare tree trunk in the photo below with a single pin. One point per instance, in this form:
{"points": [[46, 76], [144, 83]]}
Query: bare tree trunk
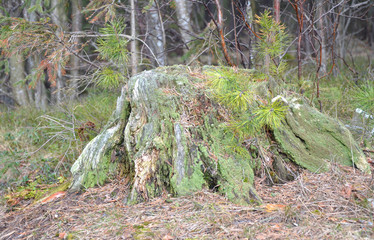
{"points": [[17, 75], [300, 18], [321, 26], [276, 9], [250, 16], [76, 6], [134, 47], [221, 33], [16, 61], [156, 34], [184, 20], [60, 19], [40, 91]]}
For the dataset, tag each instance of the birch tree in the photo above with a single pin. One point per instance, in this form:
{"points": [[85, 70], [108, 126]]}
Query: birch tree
{"points": [[184, 20], [156, 33]]}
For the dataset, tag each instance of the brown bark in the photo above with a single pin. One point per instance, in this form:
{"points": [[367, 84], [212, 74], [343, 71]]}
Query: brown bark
{"points": [[276, 8], [221, 34], [134, 48]]}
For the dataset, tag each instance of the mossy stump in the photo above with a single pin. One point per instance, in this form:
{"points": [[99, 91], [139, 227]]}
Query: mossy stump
{"points": [[167, 136]]}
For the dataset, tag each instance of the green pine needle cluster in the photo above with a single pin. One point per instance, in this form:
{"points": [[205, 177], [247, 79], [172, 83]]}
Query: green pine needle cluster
{"points": [[273, 36], [250, 113], [364, 96], [112, 48], [232, 89], [109, 78], [271, 114], [111, 45]]}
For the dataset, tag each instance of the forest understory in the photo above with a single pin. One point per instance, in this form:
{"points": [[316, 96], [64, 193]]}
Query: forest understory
{"points": [[104, 136]]}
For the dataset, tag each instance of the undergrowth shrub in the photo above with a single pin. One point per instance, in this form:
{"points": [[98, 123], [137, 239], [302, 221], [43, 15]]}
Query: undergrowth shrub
{"points": [[45, 144]]}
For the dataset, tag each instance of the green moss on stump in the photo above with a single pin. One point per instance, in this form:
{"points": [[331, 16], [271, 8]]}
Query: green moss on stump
{"points": [[313, 140]]}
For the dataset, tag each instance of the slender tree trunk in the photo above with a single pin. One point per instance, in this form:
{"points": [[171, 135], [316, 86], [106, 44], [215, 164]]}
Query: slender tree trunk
{"points": [[322, 32], [16, 61], [276, 9], [184, 20], [17, 75], [156, 34], [300, 18], [134, 47], [221, 33], [250, 16], [371, 26], [76, 6], [40, 91], [60, 19]]}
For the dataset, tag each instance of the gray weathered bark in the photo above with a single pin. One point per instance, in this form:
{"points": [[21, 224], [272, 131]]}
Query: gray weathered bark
{"points": [[156, 33], [59, 18], [184, 20], [40, 91], [134, 47], [17, 76], [76, 6]]}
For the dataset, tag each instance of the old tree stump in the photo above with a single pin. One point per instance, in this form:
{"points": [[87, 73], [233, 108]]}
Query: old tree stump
{"points": [[166, 135]]}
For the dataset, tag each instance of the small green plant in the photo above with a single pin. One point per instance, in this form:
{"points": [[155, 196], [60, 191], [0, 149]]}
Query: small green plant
{"points": [[252, 109], [271, 45], [112, 48], [363, 96], [273, 36], [250, 112]]}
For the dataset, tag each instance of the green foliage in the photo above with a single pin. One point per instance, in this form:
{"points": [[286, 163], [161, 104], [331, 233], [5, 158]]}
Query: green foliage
{"points": [[271, 114], [250, 113], [113, 48], [43, 148], [273, 36], [363, 96], [232, 89], [109, 78]]}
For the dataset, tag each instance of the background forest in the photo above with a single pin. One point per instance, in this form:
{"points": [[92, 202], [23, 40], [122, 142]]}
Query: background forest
{"points": [[63, 64]]}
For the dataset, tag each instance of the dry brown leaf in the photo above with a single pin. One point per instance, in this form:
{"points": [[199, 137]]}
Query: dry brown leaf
{"points": [[168, 237], [62, 235], [53, 197], [273, 207], [347, 191]]}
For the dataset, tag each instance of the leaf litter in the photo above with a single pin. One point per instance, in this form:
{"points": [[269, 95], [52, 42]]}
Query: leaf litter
{"points": [[331, 205]]}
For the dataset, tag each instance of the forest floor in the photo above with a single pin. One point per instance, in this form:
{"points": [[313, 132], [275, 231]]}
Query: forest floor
{"points": [[338, 204]]}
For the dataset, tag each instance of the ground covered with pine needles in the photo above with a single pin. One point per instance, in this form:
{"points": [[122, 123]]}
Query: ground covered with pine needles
{"points": [[338, 204]]}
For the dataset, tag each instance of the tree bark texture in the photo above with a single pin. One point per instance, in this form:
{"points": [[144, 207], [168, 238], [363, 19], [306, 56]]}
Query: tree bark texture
{"points": [[76, 6], [134, 45], [40, 91], [17, 77], [184, 20], [276, 9], [156, 34], [59, 18]]}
